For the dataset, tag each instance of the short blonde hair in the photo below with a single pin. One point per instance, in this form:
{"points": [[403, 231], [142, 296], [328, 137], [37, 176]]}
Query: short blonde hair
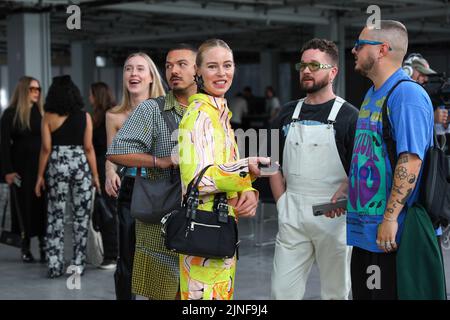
{"points": [[393, 32]]}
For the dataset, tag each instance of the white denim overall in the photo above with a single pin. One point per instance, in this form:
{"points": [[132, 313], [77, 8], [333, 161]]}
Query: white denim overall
{"points": [[313, 171]]}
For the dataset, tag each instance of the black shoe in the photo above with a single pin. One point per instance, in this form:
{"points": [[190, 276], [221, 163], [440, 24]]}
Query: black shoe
{"points": [[27, 257]]}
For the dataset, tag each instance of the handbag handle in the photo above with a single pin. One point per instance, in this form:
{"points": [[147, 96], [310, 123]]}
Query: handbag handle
{"points": [[193, 186], [191, 198]]}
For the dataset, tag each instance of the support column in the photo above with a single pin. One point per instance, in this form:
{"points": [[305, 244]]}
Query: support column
{"points": [[29, 52], [83, 67], [269, 60], [335, 32]]}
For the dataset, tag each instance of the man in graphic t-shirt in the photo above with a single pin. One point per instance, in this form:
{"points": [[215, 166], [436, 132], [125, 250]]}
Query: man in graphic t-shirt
{"points": [[317, 140], [378, 193]]}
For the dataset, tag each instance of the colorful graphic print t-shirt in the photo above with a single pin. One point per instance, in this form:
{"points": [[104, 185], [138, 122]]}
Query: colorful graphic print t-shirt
{"points": [[411, 116]]}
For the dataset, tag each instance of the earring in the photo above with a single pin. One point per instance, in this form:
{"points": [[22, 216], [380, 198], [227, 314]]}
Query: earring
{"points": [[200, 83]]}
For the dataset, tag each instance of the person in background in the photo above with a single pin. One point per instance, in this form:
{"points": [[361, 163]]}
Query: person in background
{"points": [[141, 81], [272, 103], [239, 108], [68, 158], [19, 147], [419, 70], [101, 99]]}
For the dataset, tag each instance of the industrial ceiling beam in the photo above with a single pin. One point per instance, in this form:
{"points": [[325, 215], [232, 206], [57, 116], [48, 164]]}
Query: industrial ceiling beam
{"points": [[416, 13], [191, 34], [189, 8]]}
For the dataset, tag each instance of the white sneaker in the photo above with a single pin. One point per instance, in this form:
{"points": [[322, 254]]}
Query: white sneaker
{"points": [[108, 264]]}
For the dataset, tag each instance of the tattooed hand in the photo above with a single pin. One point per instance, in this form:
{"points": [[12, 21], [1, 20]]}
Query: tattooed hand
{"points": [[403, 184]]}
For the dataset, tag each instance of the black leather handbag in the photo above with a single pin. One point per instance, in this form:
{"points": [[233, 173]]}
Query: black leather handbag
{"points": [[201, 233], [152, 199]]}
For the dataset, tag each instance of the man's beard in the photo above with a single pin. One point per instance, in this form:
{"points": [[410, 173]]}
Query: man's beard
{"points": [[317, 85], [182, 89], [366, 66]]}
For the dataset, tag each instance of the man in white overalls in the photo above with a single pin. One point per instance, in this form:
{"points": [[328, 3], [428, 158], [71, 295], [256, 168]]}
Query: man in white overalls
{"points": [[319, 132]]}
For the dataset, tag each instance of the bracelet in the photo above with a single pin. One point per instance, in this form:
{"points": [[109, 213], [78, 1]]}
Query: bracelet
{"points": [[154, 162], [389, 219]]}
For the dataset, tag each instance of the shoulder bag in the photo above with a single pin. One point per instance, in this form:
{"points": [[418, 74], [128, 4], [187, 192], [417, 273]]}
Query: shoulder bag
{"points": [[194, 232], [152, 199]]}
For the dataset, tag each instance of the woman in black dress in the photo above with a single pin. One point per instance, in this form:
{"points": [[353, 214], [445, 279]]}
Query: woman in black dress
{"points": [[20, 144], [100, 97]]}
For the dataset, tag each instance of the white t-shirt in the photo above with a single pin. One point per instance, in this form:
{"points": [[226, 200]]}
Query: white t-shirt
{"points": [[272, 104], [239, 107]]}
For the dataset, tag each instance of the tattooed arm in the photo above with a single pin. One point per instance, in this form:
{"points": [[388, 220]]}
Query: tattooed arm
{"points": [[404, 181]]}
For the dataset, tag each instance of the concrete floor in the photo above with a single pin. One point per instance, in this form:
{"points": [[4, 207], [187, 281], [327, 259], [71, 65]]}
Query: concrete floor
{"points": [[19, 281]]}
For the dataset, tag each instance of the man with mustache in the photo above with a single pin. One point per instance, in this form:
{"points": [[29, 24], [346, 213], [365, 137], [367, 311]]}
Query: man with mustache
{"points": [[384, 182], [317, 138]]}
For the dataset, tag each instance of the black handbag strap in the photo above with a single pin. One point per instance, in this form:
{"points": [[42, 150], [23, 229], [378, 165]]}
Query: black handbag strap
{"points": [[192, 189], [171, 124], [391, 145], [220, 205], [168, 117]]}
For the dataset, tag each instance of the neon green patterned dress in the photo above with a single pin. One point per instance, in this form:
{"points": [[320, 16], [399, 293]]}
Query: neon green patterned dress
{"points": [[205, 138]]}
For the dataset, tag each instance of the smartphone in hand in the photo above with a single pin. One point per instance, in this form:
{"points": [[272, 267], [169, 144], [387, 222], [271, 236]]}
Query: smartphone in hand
{"points": [[268, 169], [322, 208]]}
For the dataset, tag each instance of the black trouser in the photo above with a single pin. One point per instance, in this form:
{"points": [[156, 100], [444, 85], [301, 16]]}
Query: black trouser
{"points": [[374, 275], [127, 240], [109, 230], [26, 242]]}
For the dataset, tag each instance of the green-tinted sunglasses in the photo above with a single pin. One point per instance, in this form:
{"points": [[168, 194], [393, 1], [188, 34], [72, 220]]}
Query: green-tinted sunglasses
{"points": [[313, 66]]}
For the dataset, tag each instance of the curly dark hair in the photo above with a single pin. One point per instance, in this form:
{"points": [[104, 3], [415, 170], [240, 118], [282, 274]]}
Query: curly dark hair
{"points": [[63, 97], [324, 45]]}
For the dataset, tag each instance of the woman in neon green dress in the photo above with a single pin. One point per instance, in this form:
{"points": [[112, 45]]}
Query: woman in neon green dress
{"points": [[206, 138]]}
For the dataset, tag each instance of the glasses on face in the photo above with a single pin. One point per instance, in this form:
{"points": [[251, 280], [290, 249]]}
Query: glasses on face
{"points": [[313, 66], [34, 89], [360, 43]]}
